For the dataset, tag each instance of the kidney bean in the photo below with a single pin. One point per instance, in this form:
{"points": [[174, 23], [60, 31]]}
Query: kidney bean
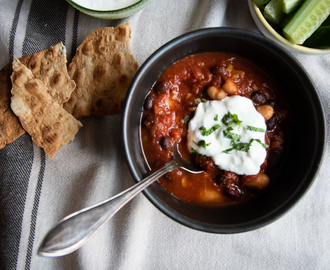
{"points": [[234, 191], [161, 87], [205, 162], [218, 70]]}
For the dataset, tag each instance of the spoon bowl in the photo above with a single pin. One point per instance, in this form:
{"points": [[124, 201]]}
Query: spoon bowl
{"points": [[74, 230]]}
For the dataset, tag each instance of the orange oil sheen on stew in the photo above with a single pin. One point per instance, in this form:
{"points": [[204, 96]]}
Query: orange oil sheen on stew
{"points": [[171, 104]]}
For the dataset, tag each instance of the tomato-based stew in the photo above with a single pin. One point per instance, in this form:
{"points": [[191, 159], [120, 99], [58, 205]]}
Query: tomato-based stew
{"points": [[235, 167]]}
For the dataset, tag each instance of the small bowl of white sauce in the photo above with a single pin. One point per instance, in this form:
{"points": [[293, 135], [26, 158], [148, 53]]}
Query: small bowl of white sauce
{"points": [[109, 9]]}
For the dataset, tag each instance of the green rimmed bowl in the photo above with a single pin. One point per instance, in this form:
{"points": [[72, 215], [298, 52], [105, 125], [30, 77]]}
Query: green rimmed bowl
{"points": [[111, 14], [267, 30]]}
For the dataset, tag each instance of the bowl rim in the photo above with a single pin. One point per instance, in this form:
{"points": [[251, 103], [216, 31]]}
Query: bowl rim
{"points": [[284, 42], [245, 226], [114, 11]]}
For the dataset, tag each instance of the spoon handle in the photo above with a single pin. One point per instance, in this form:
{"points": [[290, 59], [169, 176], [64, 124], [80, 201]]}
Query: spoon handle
{"points": [[74, 230]]}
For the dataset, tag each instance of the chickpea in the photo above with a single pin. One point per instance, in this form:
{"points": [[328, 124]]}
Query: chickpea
{"points": [[210, 195], [216, 93], [260, 182], [266, 111], [230, 87], [185, 182]]}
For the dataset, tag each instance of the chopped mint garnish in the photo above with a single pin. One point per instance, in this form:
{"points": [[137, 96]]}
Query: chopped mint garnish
{"points": [[230, 135], [263, 144], [202, 144], [240, 146], [255, 129], [230, 119], [207, 132]]}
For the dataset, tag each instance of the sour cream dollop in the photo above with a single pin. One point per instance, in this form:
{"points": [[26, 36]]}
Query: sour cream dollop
{"points": [[105, 4], [251, 130]]}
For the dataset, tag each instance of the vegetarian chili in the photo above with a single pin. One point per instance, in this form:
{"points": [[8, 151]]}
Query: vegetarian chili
{"points": [[171, 104]]}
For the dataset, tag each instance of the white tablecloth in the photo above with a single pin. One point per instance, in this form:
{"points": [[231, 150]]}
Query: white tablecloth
{"points": [[36, 192]]}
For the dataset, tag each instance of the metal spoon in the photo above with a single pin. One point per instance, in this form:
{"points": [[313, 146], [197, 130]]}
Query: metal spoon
{"points": [[74, 230]]}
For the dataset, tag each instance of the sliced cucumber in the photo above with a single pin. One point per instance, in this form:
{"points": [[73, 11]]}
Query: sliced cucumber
{"points": [[326, 22], [320, 38], [273, 12], [260, 3], [291, 5], [306, 20], [286, 20]]}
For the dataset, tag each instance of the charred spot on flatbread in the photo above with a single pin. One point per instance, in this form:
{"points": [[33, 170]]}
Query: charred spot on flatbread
{"points": [[102, 68], [49, 125], [50, 66]]}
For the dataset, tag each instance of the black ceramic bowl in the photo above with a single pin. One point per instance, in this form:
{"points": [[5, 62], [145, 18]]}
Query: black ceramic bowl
{"points": [[304, 153]]}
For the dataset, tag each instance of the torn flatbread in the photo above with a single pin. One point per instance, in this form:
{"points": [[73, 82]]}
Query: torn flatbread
{"points": [[49, 66], [103, 69], [49, 125]]}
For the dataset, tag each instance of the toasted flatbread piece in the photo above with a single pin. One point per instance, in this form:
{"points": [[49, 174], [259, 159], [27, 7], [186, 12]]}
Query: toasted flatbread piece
{"points": [[10, 126], [50, 67], [102, 68], [49, 125]]}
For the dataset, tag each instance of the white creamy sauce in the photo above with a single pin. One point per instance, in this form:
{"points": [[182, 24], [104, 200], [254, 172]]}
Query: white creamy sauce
{"points": [[236, 161], [105, 4]]}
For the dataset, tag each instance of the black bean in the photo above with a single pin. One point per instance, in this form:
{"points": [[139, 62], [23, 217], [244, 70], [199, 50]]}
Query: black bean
{"points": [[148, 103], [165, 142], [271, 123], [161, 87], [258, 98]]}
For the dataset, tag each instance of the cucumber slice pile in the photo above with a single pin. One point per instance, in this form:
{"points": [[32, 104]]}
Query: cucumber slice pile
{"points": [[299, 21], [306, 20]]}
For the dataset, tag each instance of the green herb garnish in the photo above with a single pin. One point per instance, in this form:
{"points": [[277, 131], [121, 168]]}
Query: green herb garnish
{"points": [[202, 144], [263, 144], [186, 120], [245, 147], [216, 117], [228, 150], [206, 132], [200, 100], [229, 119], [240, 146], [193, 151], [255, 129], [230, 135]]}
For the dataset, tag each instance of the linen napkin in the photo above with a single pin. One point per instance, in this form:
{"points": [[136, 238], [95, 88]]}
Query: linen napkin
{"points": [[36, 192]]}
